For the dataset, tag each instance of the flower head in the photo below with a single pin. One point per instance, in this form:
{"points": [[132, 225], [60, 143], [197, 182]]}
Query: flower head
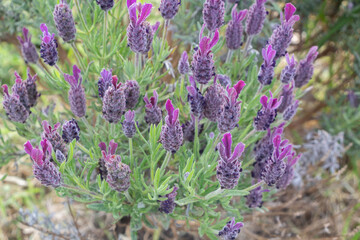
{"points": [[169, 8], [254, 199], [114, 102], [70, 131], [168, 205], [214, 101], [231, 230], [132, 93], [53, 136], [228, 168], [14, 109], [305, 69], [105, 5], [213, 14], [28, 49], [266, 73], [105, 81], [153, 113], [288, 73], [171, 133], [128, 125], [48, 48], [288, 175], [195, 98], [184, 66], [77, 98], [256, 17], [234, 29], [64, 21], [267, 114]]}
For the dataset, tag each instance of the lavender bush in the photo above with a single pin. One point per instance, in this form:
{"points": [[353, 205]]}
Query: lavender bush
{"points": [[160, 164]]}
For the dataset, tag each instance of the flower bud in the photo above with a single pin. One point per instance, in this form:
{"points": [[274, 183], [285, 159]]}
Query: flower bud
{"points": [[14, 109], [267, 114], [105, 5], [266, 73], [48, 47], [231, 115], [129, 128], [153, 113], [44, 170], [213, 14], [169, 8], [168, 205], [234, 30], [305, 69], [70, 131], [132, 93], [231, 230], [139, 32], [291, 111], [195, 98], [202, 64], [64, 21], [60, 157], [214, 102], [254, 199], [256, 17], [114, 102], [77, 98], [287, 95], [118, 173], [31, 89], [288, 175], [184, 66], [51, 134], [28, 49], [171, 135], [229, 166], [224, 80], [282, 35], [19, 88], [288, 73], [104, 81]]}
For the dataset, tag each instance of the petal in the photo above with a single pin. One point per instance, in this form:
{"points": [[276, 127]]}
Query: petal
{"points": [[112, 147], [238, 150], [28, 147], [102, 146], [145, 12], [46, 126], [263, 100], [227, 141], [215, 39], [289, 11]]}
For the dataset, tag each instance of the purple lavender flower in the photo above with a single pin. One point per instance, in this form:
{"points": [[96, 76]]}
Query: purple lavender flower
{"points": [[195, 98], [288, 175], [128, 126], [171, 135], [139, 32], [19, 88], [288, 73], [52, 135], [234, 30], [287, 95], [118, 173], [14, 109], [213, 14], [184, 66], [267, 114], [105, 81], [282, 35], [70, 131], [105, 5], [254, 199], [305, 69], [230, 116], [132, 93], [266, 73], [60, 157], [44, 170], [275, 167], [48, 47], [169, 8], [231, 230], [214, 101], [256, 17], [153, 113], [114, 102], [77, 98], [189, 129], [229, 166], [168, 205], [224, 80], [28, 49], [64, 21], [203, 64], [31, 89], [291, 111]]}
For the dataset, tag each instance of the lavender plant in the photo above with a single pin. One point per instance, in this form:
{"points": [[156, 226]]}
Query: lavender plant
{"points": [[155, 164]]}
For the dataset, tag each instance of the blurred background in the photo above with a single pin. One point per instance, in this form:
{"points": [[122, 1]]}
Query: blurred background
{"points": [[323, 201]]}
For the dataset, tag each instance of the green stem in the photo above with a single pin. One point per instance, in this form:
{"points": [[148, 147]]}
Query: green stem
{"points": [[248, 163], [254, 186], [78, 56], [247, 44], [214, 193], [57, 67], [81, 16], [88, 125], [131, 153], [196, 141], [165, 163], [137, 64], [94, 195], [229, 55], [182, 83], [249, 135], [104, 36], [128, 197], [166, 24]]}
